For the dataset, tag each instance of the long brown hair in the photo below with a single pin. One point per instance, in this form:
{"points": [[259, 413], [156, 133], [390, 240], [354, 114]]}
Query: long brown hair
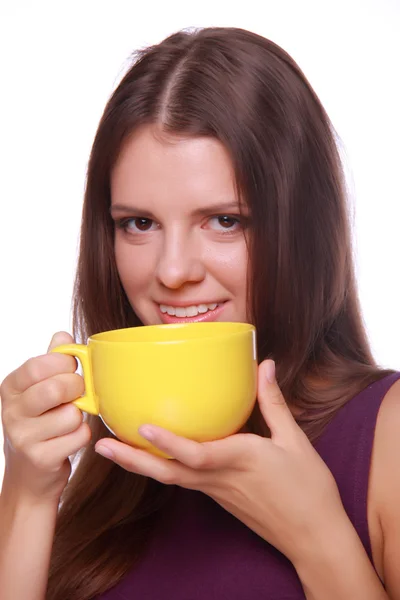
{"points": [[248, 93]]}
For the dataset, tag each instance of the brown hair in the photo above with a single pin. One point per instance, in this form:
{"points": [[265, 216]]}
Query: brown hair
{"points": [[247, 92]]}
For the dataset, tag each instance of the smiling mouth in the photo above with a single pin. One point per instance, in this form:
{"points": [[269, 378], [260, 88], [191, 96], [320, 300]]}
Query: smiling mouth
{"points": [[188, 311], [191, 314]]}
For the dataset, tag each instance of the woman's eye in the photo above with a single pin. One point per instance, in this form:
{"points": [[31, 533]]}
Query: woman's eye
{"points": [[137, 224], [225, 222]]}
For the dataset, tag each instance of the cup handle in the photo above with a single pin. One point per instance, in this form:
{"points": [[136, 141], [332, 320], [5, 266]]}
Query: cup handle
{"points": [[89, 401]]}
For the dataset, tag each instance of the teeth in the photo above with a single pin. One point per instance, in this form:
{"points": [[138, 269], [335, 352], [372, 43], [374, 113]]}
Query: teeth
{"points": [[187, 311]]}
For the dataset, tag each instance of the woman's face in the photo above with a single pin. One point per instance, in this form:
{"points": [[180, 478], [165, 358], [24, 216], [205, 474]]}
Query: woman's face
{"points": [[180, 238]]}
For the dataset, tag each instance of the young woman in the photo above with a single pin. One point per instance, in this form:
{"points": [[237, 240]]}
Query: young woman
{"points": [[214, 192]]}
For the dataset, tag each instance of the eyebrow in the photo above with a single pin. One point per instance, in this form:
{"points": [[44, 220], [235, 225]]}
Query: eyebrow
{"points": [[221, 208]]}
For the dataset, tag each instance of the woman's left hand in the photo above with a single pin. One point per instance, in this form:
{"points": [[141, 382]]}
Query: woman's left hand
{"points": [[279, 486]]}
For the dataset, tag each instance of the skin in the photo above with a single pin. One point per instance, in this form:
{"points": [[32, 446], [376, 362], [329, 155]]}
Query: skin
{"points": [[41, 430], [185, 258], [177, 256]]}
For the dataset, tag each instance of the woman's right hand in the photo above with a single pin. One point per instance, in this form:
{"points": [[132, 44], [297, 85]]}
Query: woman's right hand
{"points": [[41, 426]]}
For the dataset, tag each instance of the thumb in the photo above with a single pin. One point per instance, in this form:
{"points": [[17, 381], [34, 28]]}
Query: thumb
{"points": [[273, 405], [60, 338]]}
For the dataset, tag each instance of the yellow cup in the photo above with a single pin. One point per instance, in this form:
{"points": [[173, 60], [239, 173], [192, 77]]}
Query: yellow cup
{"points": [[198, 380]]}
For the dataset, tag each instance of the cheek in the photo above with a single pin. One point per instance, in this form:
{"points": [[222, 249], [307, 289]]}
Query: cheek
{"points": [[134, 265], [231, 263]]}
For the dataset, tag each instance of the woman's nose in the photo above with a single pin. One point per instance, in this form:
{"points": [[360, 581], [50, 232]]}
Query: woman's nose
{"points": [[180, 262]]}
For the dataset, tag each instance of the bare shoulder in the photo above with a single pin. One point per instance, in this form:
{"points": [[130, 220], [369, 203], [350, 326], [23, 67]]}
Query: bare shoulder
{"points": [[384, 492]]}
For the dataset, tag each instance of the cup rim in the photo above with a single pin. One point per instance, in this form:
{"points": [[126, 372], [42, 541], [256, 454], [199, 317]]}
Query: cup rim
{"points": [[243, 327]]}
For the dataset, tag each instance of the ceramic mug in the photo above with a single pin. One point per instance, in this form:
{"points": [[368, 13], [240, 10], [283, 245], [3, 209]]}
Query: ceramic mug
{"points": [[198, 379]]}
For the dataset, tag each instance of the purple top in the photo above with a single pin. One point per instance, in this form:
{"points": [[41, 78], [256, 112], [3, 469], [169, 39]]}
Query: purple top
{"points": [[202, 552]]}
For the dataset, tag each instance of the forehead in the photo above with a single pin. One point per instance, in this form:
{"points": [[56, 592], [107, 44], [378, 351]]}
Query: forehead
{"points": [[155, 170]]}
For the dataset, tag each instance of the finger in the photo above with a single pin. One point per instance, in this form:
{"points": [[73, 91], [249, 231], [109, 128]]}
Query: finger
{"points": [[165, 471], [188, 452], [60, 338], [51, 453], [234, 452], [229, 452], [56, 422], [36, 370], [47, 394], [273, 405]]}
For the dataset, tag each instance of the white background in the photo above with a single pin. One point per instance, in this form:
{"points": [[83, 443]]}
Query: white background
{"points": [[61, 60]]}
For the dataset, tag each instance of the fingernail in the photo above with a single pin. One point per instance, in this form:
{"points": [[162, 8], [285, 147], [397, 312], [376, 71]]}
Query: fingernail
{"points": [[270, 371], [106, 452], [146, 432]]}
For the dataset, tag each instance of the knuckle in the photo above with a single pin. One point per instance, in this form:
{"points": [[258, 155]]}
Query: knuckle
{"points": [[34, 369], [76, 416], [7, 415], [55, 389], [71, 416], [202, 460], [168, 477], [19, 440], [71, 386]]}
